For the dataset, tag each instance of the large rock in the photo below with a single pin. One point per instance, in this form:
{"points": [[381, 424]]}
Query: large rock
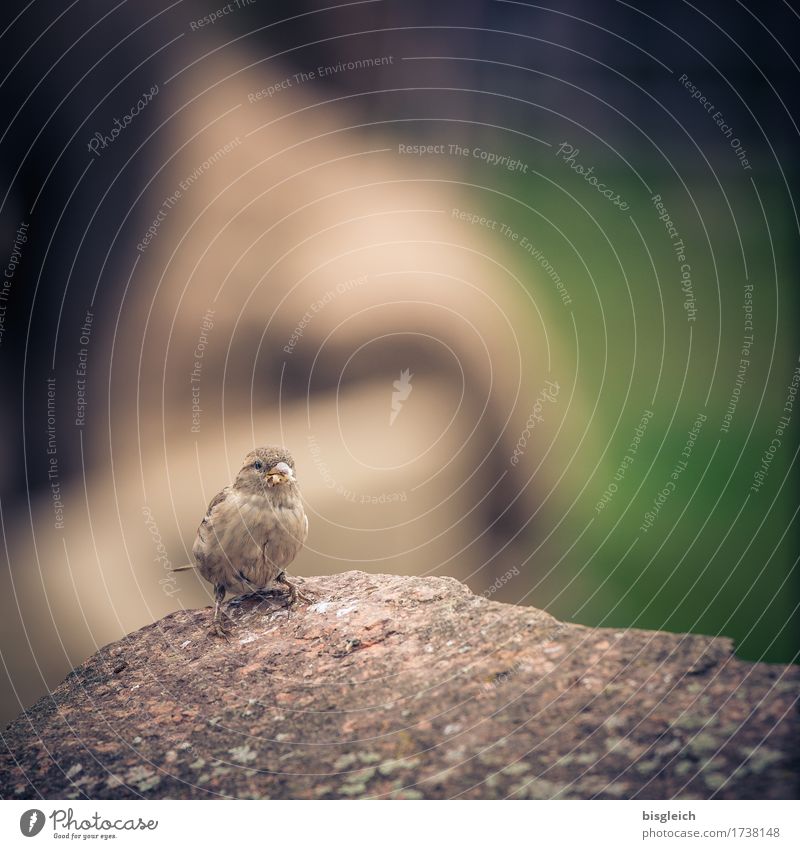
{"points": [[407, 687]]}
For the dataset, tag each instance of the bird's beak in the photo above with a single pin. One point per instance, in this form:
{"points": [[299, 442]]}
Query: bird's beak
{"points": [[280, 473]]}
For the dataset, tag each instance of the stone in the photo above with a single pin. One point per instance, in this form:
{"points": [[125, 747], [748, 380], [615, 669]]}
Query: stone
{"points": [[407, 687]]}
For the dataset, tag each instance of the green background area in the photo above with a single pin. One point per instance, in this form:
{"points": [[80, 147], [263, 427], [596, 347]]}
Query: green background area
{"points": [[718, 559]]}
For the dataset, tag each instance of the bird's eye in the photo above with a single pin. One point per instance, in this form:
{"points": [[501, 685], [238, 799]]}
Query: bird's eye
{"points": [[258, 464]]}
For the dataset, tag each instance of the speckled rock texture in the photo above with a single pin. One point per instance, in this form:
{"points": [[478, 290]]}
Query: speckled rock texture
{"points": [[406, 687]]}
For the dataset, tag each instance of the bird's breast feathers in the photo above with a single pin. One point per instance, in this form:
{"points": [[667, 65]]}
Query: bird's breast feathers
{"points": [[255, 518]]}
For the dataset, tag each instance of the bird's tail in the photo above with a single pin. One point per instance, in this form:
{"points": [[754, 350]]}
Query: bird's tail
{"points": [[184, 568]]}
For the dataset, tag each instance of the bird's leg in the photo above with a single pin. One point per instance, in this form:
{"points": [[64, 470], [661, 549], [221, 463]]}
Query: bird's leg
{"points": [[295, 594], [217, 629]]}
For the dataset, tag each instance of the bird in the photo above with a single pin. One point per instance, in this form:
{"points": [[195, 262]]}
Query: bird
{"points": [[252, 531]]}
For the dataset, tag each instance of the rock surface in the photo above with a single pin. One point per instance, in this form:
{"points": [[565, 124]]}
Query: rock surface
{"points": [[404, 687]]}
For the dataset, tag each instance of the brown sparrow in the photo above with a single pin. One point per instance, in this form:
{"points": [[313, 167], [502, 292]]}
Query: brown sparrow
{"points": [[253, 530]]}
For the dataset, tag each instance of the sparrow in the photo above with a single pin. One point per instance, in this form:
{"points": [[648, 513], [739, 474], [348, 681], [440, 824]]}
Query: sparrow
{"points": [[252, 531]]}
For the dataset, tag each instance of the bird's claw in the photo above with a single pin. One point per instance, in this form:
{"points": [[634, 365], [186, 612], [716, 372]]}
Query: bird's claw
{"points": [[294, 594], [299, 595], [217, 629]]}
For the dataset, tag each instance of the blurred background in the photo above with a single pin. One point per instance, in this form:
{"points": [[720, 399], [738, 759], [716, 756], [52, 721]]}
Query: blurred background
{"points": [[515, 283]]}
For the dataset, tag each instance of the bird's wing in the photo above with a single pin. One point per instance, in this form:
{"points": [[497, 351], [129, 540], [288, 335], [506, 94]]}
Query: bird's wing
{"points": [[217, 499]]}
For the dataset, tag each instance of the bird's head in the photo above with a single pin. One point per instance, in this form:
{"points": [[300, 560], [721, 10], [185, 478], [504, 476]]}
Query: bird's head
{"points": [[266, 468]]}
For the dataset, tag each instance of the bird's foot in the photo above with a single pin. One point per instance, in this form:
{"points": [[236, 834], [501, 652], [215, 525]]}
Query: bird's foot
{"points": [[294, 594], [217, 629], [220, 620]]}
